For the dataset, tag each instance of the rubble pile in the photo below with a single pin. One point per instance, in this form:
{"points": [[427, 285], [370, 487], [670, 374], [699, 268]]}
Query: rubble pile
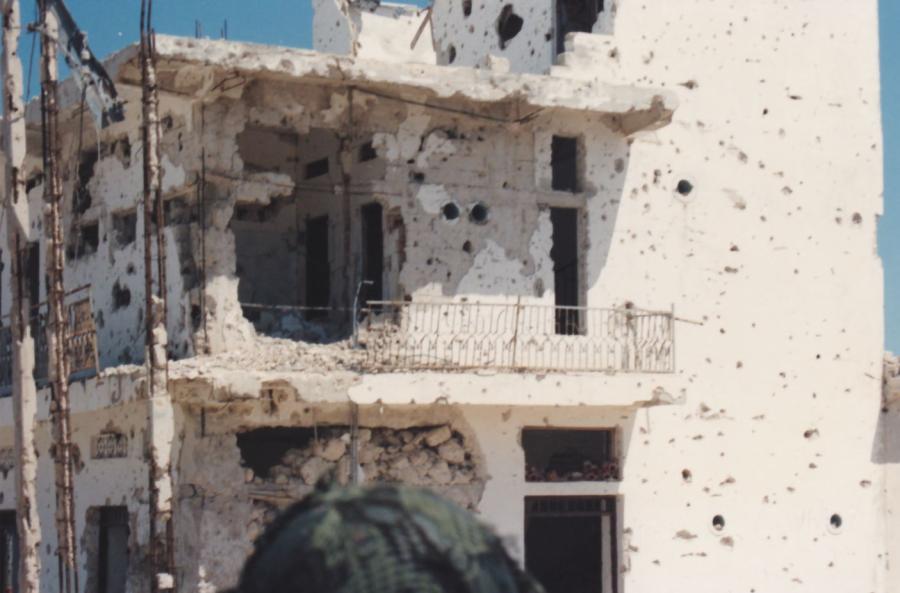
{"points": [[267, 354], [433, 457], [588, 472]]}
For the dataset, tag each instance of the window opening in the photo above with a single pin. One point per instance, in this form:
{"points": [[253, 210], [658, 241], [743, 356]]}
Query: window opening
{"points": [[575, 16], [571, 543], [367, 152], [570, 455], [81, 200], [87, 241], [564, 163], [9, 552], [373, 252], [566, 264], [124, 228], [112, 549], [317, 168], [318, 264]]}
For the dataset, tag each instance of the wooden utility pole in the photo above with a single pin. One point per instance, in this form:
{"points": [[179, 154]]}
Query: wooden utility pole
{"points": [[161, 410], [23, 385], [57, 325]]}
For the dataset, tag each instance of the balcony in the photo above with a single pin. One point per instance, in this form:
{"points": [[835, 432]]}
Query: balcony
{"points": [[516, 337], [81, 341]]}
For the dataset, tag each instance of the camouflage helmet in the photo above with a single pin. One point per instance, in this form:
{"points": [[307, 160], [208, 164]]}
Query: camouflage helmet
{"points": [[380, 539]]}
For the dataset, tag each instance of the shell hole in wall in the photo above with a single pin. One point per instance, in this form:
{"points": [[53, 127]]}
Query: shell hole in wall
{"points": [[508, 25], [718, 522], [479, 213], [450, 211], [836, 522], [686, 475]]}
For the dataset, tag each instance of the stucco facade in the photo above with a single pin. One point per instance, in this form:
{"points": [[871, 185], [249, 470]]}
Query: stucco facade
{"points": [[713, 172]]}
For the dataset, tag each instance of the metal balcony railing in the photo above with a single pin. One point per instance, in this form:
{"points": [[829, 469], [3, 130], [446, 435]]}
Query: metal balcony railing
{"points": [[81, 340], [516, 336]]}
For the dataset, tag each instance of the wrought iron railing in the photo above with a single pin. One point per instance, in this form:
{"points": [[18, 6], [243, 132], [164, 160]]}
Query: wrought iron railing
{"points": [[81, 340], [516, 336]]}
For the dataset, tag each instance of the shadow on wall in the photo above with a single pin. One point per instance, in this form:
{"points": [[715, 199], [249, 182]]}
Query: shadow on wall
{"points": [[886, 446]]}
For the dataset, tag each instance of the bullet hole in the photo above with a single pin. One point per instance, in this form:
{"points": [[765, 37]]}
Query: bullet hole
{"points": [[467, 247], [450, 211], [508, 25], [620, 165], [718, 522], [451, 54], [766, 111], [121, 296], [686, 475], [690, 85], [810, 434], [857, 218], [479, 213], [836, 521], [467, 7], [417, 177], [685, 187]]}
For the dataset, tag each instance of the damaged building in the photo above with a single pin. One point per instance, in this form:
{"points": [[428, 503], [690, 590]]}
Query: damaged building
{"points": [[460, 248]]}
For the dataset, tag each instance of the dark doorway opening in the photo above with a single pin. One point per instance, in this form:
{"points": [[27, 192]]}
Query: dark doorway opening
{"points": [[564, 253], [9, 552], [318, 265], [575, 16], [564, 163], [570, 543], [372, 253], [112, 549]]}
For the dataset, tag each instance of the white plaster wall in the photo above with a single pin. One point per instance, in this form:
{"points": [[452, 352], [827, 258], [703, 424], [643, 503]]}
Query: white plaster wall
{"points": [[109, 402], [384, 32], [774, 251]]}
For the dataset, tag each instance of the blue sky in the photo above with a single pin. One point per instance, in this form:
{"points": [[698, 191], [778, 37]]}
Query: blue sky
{"points": [[112, 24]]}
